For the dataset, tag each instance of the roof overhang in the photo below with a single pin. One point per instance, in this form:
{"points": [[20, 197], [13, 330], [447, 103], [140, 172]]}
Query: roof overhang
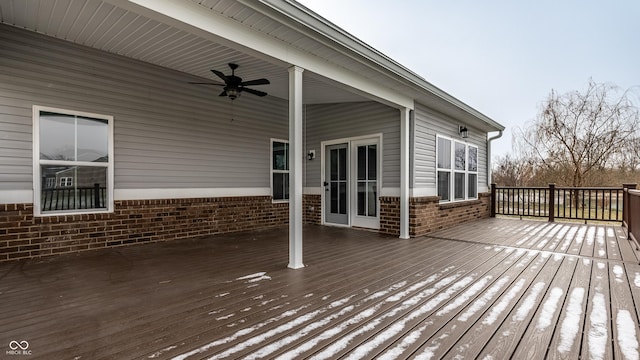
{"points": [[266, 37]]}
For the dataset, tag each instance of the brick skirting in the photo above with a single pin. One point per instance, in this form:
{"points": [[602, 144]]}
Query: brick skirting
{"points": [[426, 214], [139, 221]]}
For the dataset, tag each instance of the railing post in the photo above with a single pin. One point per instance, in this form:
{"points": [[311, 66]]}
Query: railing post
{"points": [[493, 200], [96, 196], [552, 202], [625, 203]]}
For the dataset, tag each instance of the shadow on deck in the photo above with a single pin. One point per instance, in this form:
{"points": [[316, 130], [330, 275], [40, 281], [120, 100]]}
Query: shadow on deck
{"points": [[495, 288]]}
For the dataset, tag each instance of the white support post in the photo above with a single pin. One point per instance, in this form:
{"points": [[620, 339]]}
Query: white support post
{"points": [[405, 118], [295, 167]]}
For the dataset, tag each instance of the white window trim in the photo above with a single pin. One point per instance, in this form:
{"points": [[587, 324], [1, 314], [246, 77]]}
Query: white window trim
{"points": [[272, 171], [453, 170], [37, 180]]}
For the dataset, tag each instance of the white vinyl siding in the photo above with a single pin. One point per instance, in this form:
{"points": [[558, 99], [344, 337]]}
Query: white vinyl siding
{"points": [[340, 121], [427, 125], [169, 134]]}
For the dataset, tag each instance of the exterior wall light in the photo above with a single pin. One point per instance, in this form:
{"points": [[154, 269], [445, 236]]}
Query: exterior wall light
{"points": [[463, 131]]}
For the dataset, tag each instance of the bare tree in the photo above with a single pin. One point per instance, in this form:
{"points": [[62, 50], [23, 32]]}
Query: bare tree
{"points": [[576, 134]]}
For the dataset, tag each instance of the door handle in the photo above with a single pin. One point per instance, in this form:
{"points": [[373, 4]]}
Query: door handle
{"points": [[326, 183]]}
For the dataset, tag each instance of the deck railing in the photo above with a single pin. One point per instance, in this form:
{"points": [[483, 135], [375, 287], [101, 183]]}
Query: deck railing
{"points": [[595, 203], [74, 198], [631, 219]]}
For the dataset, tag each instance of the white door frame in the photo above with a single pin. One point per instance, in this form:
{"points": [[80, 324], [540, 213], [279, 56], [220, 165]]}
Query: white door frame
{"points": [[352, 143]]}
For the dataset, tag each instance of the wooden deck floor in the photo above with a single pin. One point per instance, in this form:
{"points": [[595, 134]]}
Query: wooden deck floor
{"points": [[493, 289]]}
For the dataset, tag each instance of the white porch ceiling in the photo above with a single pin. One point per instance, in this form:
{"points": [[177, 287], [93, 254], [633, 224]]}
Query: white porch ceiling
{"points": [[108, 27]]}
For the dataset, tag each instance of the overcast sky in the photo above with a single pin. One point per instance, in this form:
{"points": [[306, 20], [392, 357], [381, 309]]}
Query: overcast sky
{"points": [[501, 57]]}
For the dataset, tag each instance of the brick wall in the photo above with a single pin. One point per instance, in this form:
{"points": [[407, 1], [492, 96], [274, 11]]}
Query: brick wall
{"points": [[133, 221], [312, 209], [426, 214]]}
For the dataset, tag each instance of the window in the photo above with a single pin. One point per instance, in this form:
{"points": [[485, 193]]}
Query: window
{"points": [[73, 162], [457, 170], [66, 181], [280, 170]]}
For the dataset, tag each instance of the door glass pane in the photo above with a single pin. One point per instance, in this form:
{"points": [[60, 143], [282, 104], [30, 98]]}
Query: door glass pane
{"points": [[372, 162], [93, 136], [334, 164], [444, 153], [343, 197], [443, 185], [372, 199], [342, 164], [473, 186], [362, 162], [460, 156], [334, 197], [362, 197], [459, 186]]}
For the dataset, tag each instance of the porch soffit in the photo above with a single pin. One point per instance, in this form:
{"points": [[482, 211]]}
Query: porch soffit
{"points": [[123, 28], [265, 37]]}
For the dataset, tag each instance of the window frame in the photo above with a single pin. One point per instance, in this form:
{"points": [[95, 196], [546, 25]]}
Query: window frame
{"points": [[37, 181], [277, 171], [452, 171]]}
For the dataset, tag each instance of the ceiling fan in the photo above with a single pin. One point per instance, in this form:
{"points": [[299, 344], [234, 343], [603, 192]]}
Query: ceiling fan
{"points": [[233, 85]]}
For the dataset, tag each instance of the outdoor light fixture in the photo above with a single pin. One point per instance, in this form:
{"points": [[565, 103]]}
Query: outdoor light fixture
{"points": [[232, 93], [463, 131]]}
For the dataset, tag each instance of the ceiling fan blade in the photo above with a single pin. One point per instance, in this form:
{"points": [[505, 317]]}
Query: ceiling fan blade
{"points": [[256, 82], [220, 75], [254, 92], [204, 83], [223, 93]]}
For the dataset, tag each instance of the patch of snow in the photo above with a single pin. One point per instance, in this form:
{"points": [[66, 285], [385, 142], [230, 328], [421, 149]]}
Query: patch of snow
{"points": [[465, 296], [598, 332], [222, 295], [258, 297], [396, 351], [263, 303], [619, 272], [225, 317], [558, 257], [157, 353], [601, 265], [484, 299], [529, 302], [591, 233], [586, 262], [362, 350], [571, 323], [602, 253], [213, 312], [549, 308], [278, 330], [498, 308], [326, 297], [308, 295], [581, 234], [636, 281], [627, 339], [274, 346], [240, 333], [245, 309], [252, 276], [428, 353]]}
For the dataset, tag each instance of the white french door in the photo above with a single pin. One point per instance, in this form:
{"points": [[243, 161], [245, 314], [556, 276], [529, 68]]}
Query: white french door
{"points": [[352, 171]]}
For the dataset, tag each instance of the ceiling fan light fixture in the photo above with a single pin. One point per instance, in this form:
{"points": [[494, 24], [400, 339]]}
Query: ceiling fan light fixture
{"points": [[233, 93]]}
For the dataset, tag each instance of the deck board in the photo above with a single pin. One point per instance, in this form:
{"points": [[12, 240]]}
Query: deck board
{"points": [[461, 292]]}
